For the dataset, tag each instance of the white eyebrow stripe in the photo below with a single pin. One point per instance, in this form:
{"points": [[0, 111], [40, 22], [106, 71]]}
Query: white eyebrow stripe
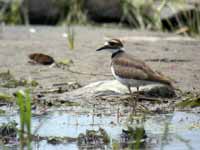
{"points": [[115, 41]]}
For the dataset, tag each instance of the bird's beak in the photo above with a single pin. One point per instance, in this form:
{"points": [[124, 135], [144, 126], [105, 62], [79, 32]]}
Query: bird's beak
{"points": [[103, 47]]}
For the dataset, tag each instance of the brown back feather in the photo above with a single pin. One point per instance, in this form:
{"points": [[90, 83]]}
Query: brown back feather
{"points": [[129, 67]]}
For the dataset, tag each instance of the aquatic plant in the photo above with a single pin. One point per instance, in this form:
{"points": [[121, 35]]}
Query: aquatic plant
{"points": [[185, 141], [8, 132], [8, 129], [6, 98], [134, 137], [7, 80], [191, 100], [2, 112], [140, 134], [115, 145], [24, 103], [92, 138], [165, 135]]}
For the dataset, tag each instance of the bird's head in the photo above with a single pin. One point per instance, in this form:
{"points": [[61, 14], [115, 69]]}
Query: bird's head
{"points": [[113, 46]]}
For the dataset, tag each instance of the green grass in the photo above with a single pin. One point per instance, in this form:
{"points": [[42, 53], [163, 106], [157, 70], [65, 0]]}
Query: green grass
{"points": [[141, 14], [144, 14], [2, 112], [11, 15], [191, 100], [24, 103], [138, 137], [7, 80], [72, 11], [76, 13], [189, 20], [6, 98], [115, 145], [70, 37]]}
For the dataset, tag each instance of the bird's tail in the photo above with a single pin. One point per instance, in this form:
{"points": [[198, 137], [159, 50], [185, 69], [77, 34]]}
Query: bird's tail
{"points": [[167, 80]]}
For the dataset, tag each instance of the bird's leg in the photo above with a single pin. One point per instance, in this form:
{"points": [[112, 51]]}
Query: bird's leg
{"points": [[132, 96]]}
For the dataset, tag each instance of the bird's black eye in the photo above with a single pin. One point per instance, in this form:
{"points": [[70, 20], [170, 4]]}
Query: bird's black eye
{"points": [[112, 43]]}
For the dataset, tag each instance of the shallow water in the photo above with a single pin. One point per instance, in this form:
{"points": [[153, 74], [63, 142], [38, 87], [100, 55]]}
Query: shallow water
{"points": [[175, 131]]}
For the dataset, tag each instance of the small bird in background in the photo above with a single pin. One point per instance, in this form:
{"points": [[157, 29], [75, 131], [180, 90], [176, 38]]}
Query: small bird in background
{"points": [[131, 71]]}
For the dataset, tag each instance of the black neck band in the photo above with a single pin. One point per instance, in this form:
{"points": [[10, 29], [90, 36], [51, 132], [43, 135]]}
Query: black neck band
{"points": [[114, 54]]}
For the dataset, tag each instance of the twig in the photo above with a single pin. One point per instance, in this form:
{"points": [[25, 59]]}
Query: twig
{"points": [[60, 84], [89, 74], [125, 97], [143, 98]]}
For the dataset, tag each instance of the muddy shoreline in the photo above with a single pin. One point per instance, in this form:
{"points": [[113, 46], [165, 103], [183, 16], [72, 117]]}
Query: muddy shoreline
{"points": [[16, 43], [59, 90]]}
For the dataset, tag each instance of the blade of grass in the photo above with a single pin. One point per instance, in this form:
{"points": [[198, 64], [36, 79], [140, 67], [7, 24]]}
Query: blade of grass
{"points": [[28, 117], [28, 112], [24, 103], [20, 102], [70, 37]]}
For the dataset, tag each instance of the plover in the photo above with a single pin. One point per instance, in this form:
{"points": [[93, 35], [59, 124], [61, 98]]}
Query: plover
{"points": [[129, 70]]}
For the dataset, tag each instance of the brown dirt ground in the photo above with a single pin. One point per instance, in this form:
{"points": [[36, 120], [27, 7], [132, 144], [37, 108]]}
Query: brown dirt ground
{"points": [[16, 43]]}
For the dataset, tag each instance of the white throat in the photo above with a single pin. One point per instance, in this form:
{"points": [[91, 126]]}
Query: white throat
{"points": [[113, 50]]}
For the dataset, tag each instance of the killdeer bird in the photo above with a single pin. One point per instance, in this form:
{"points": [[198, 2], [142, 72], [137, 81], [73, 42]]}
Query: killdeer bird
{"points": [[131, 71]]}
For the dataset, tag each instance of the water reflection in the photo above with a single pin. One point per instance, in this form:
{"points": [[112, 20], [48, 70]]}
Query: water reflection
{"points": [[180, 130]]}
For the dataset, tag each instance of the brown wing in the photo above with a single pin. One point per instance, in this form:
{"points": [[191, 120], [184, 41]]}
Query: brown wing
{"points": [[129, 67]]}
